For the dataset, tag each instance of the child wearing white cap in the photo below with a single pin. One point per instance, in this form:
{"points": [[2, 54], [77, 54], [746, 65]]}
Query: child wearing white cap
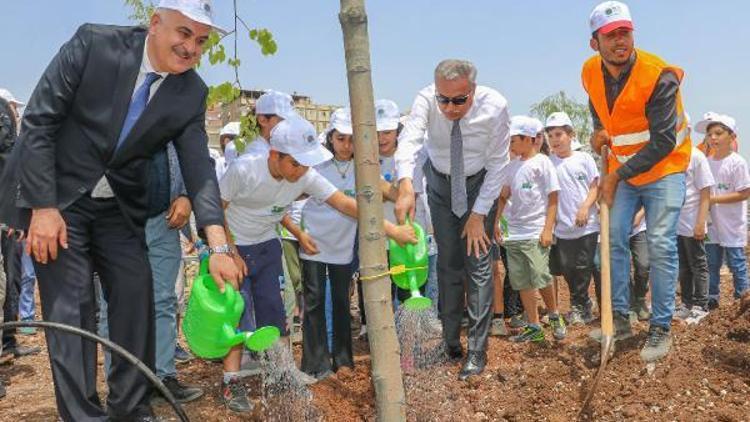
{"points": [[332, 261], [691, 235], [256, 192], [728, 206], [577, 224], [533, 187], [270, 108]]}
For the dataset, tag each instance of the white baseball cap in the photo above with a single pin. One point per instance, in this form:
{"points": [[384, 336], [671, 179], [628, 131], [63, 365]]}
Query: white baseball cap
{"points": [[341, 120], [558, 119], [525, 126], [710, 117], [231, 128], [296, 136], [200, 11], [610, 15], [8, 96], [275, 102], [387, 115]]}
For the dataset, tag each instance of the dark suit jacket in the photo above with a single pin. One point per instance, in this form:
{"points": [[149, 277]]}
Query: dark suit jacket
{"points": [[73, 120]]}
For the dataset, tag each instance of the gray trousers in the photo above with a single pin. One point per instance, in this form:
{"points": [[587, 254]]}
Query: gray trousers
{"points": [[454, 266], [2, 296], [639, 254], [693, 271]]}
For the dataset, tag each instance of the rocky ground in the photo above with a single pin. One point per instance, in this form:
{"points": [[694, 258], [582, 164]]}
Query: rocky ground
{"points": [[705, 378]]}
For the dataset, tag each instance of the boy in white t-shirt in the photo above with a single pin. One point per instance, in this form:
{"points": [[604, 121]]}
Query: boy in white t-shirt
{"points": [[728, 206], [532, 189], [577, 225], [256, 192], [691, 235]]}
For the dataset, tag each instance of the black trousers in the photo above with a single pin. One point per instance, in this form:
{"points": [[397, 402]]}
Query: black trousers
{"points": [[100, 240], [454, 266], [511, 298], [693, 271], [12, 250], [316, 358], [575, 258]]}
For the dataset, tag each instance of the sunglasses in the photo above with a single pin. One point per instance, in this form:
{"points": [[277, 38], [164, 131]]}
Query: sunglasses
{"points": [[460, 100]]}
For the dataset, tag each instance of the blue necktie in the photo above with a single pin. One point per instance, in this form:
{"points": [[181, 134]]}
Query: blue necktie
{"points": [[137, 105]]}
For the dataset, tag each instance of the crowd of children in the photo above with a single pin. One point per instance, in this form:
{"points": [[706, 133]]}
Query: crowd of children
{"points": [[291, 186]]}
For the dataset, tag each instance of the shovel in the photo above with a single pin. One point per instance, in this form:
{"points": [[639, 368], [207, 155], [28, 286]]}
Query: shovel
{"points": [[605, 302]]}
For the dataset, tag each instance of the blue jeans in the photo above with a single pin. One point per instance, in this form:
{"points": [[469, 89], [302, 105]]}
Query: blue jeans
{"points": [[164, 255], [28, 280], [662, 201], [737, 266]]}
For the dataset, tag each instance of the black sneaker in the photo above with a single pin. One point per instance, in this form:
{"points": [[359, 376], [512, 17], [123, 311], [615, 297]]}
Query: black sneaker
{"points": [[454, 354], [181, 355], [623, 330], [2, 389], [182, 393], [235, 397]]}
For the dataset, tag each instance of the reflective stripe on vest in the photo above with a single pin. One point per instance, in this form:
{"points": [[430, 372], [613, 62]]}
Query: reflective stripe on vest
{"points": [[681, 138]]}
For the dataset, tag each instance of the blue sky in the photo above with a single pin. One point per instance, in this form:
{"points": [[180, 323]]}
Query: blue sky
{"points": [[525, 49]]}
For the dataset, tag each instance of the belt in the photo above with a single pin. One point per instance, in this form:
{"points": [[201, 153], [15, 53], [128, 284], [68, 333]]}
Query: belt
{"points": [[447, 177]]}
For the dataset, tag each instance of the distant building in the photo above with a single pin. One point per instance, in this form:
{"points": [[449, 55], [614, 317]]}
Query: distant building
{"points": [[221, 114]]}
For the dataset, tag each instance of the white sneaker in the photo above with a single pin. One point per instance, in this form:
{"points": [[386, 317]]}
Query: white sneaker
{"points": [[362, 331], [683, 312], [696, 315]]}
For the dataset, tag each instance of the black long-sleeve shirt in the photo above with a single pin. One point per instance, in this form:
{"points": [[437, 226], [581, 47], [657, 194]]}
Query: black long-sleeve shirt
{"points": [[661, 112]]}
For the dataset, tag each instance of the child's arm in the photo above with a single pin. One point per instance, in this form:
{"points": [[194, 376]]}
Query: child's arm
{"points": [[390, 191], [401, 234], [583, 211], [305, 240], [502, 201], [549, 223], [699, 233], [731, 198]]}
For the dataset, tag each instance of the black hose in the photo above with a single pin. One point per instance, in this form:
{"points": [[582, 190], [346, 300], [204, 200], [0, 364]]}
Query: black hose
{"points": [[112, 347]]}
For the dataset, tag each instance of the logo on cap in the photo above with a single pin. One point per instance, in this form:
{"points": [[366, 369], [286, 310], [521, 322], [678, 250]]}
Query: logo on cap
{"points": [[381, 112], [310, 139], [207, 7]]}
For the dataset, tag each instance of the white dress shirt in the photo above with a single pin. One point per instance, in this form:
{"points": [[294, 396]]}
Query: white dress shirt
{"points": [[484, 130], [102, 188]]}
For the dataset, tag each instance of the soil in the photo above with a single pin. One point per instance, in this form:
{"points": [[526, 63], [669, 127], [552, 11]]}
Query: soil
{"points": [[706, 377]]}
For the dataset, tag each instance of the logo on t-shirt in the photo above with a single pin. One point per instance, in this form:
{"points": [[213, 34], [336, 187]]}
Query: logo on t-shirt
{"points": [[723, 186], [581, 176], [277, 209], [527, 185], [349, 192]]}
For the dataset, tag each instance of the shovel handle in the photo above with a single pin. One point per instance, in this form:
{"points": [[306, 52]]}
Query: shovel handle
{"points": [[605, 303]]}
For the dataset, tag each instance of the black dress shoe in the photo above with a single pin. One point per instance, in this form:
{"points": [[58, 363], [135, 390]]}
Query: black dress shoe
{"points": [[182, 393], [474, 365], [454, 353]]}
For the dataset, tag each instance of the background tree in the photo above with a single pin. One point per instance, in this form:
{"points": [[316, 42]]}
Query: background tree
{"points": [[578, 112]]}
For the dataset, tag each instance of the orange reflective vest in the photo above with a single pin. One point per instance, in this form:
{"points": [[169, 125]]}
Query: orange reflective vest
{"points": [[627, 124]]}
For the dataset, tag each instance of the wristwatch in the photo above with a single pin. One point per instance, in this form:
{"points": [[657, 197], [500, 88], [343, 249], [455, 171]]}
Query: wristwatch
{"points": [[224, 249]]}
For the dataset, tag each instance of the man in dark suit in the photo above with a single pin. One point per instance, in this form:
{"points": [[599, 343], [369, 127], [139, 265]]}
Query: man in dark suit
{"points": [[110, 99]]}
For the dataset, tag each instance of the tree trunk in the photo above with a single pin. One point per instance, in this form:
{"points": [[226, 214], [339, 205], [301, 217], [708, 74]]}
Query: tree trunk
{"points": [[381, 331]]}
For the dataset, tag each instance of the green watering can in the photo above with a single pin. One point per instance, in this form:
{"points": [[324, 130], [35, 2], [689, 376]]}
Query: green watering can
{"points": [[212, 317], [409, 268]]}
